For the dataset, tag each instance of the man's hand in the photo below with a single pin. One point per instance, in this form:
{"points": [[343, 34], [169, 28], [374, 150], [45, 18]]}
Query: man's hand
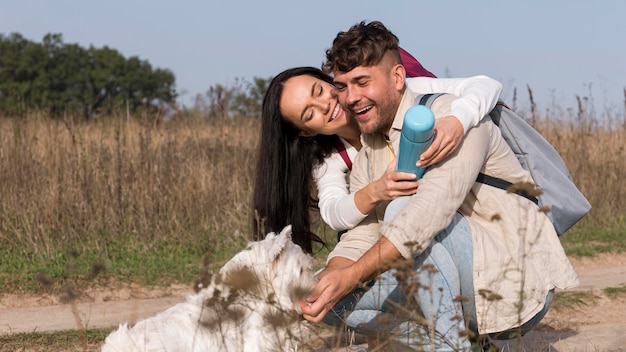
{"points": [[341, 276], [335, 282], [448, 137]]}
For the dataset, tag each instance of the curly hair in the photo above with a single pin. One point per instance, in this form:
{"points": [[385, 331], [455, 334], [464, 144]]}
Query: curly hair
{"points": [[364, 44]]}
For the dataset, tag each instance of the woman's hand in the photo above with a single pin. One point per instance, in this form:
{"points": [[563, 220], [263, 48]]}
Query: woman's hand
{"points": [[391, 185], [448, 136]]}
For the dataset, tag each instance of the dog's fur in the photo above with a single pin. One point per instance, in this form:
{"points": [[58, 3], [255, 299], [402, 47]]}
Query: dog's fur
{"points": [[251, 305]]}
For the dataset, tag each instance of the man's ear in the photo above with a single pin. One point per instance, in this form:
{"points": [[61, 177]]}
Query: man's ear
{"points": [[399, 73]]}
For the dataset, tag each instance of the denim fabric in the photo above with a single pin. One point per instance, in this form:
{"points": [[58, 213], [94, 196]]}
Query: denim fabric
{"points": [[404, 302]]}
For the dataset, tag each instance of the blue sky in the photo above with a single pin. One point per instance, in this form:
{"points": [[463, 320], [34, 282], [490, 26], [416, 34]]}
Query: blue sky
{"points": [[559, 48]]}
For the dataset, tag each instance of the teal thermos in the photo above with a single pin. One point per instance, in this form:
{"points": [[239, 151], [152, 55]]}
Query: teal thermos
{"points": [[416, 136]]}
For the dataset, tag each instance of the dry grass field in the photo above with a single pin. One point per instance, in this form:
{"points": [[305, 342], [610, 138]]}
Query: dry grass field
{"points": [[134, 179], [134, 199]]}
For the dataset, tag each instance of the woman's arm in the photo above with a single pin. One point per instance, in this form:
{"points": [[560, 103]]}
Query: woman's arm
{"points": [[389, 186], [478, 96], [343, 210], [337, 206]]}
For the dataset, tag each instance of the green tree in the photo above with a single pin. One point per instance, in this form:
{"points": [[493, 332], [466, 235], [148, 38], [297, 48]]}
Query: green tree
{"points": [[144, 87], [65, 73], [103, 86], [20, 62], [58, 78]]}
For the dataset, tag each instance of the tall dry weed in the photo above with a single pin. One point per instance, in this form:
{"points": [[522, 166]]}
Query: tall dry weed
{"points": [[593, 148], [68, 179], [191, 180]]}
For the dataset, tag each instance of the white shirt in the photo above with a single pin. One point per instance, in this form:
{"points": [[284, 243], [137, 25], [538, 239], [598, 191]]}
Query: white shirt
{"points": [[478, 95]]}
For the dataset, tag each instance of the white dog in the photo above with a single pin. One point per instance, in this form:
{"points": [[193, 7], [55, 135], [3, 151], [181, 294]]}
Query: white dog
{"points": [[251, 305]]}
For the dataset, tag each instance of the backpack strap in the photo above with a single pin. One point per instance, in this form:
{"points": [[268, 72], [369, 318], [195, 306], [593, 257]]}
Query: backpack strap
{"points": [[496, 112], [502, 184], [428, 99], [343, 152]]}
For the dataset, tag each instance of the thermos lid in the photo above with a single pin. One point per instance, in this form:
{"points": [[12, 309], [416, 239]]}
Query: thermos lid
{"points": [[418, 124]]}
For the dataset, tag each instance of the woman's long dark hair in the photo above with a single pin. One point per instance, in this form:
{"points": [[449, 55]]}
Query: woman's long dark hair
{"points": [[284, 167]]}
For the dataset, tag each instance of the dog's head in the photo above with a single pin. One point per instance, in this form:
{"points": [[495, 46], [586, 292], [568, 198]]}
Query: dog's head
{"points": [[276, 266]]}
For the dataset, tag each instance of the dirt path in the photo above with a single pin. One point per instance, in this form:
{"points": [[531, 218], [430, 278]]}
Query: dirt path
{"points": [[600, 325], [95, 308]]}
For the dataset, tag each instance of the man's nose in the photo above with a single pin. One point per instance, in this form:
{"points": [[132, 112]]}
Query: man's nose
{"points": [[351, 96]]}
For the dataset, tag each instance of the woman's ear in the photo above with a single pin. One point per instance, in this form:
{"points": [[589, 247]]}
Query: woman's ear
{"points": [[306, 134]]}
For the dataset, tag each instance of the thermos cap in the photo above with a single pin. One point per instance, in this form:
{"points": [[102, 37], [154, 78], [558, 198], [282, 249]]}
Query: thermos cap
{"points": [[418, 124]]}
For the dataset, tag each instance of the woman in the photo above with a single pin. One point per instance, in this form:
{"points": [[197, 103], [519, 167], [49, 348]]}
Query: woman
{"points": [[306, 135]]}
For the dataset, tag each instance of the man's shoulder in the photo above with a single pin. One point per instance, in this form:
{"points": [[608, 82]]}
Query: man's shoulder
{"points": [[411, 97], [442, 105]]}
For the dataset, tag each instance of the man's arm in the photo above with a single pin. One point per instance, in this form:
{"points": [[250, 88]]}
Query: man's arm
{"points": [[341, 276]]}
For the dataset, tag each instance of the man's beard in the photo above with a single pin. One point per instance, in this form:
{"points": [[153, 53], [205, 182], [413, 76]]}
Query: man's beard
{"points": [[382, 123]]}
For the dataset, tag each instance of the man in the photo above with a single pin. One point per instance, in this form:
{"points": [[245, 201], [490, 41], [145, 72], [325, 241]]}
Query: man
{"points": [[495, 248]]}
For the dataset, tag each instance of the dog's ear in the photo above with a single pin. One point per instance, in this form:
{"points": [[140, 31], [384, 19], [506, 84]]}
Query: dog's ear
{"points": [[268, 249], [279, 242]]}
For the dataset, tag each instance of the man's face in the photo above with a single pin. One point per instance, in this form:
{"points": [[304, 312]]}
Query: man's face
{"points": [[372, 94]]}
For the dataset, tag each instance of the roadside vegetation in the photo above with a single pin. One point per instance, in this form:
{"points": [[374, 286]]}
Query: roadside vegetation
{"points": [[143, 200], [136, 198]]}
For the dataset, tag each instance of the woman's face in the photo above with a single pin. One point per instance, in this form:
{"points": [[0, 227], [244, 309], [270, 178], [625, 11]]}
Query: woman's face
{"points": [[311, 105]]}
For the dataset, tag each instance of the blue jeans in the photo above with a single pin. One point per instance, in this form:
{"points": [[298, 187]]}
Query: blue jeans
{"points": [[417, 306]]}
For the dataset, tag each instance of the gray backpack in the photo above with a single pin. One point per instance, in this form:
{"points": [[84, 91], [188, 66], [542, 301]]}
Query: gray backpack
{"points": [[566, 203]]}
